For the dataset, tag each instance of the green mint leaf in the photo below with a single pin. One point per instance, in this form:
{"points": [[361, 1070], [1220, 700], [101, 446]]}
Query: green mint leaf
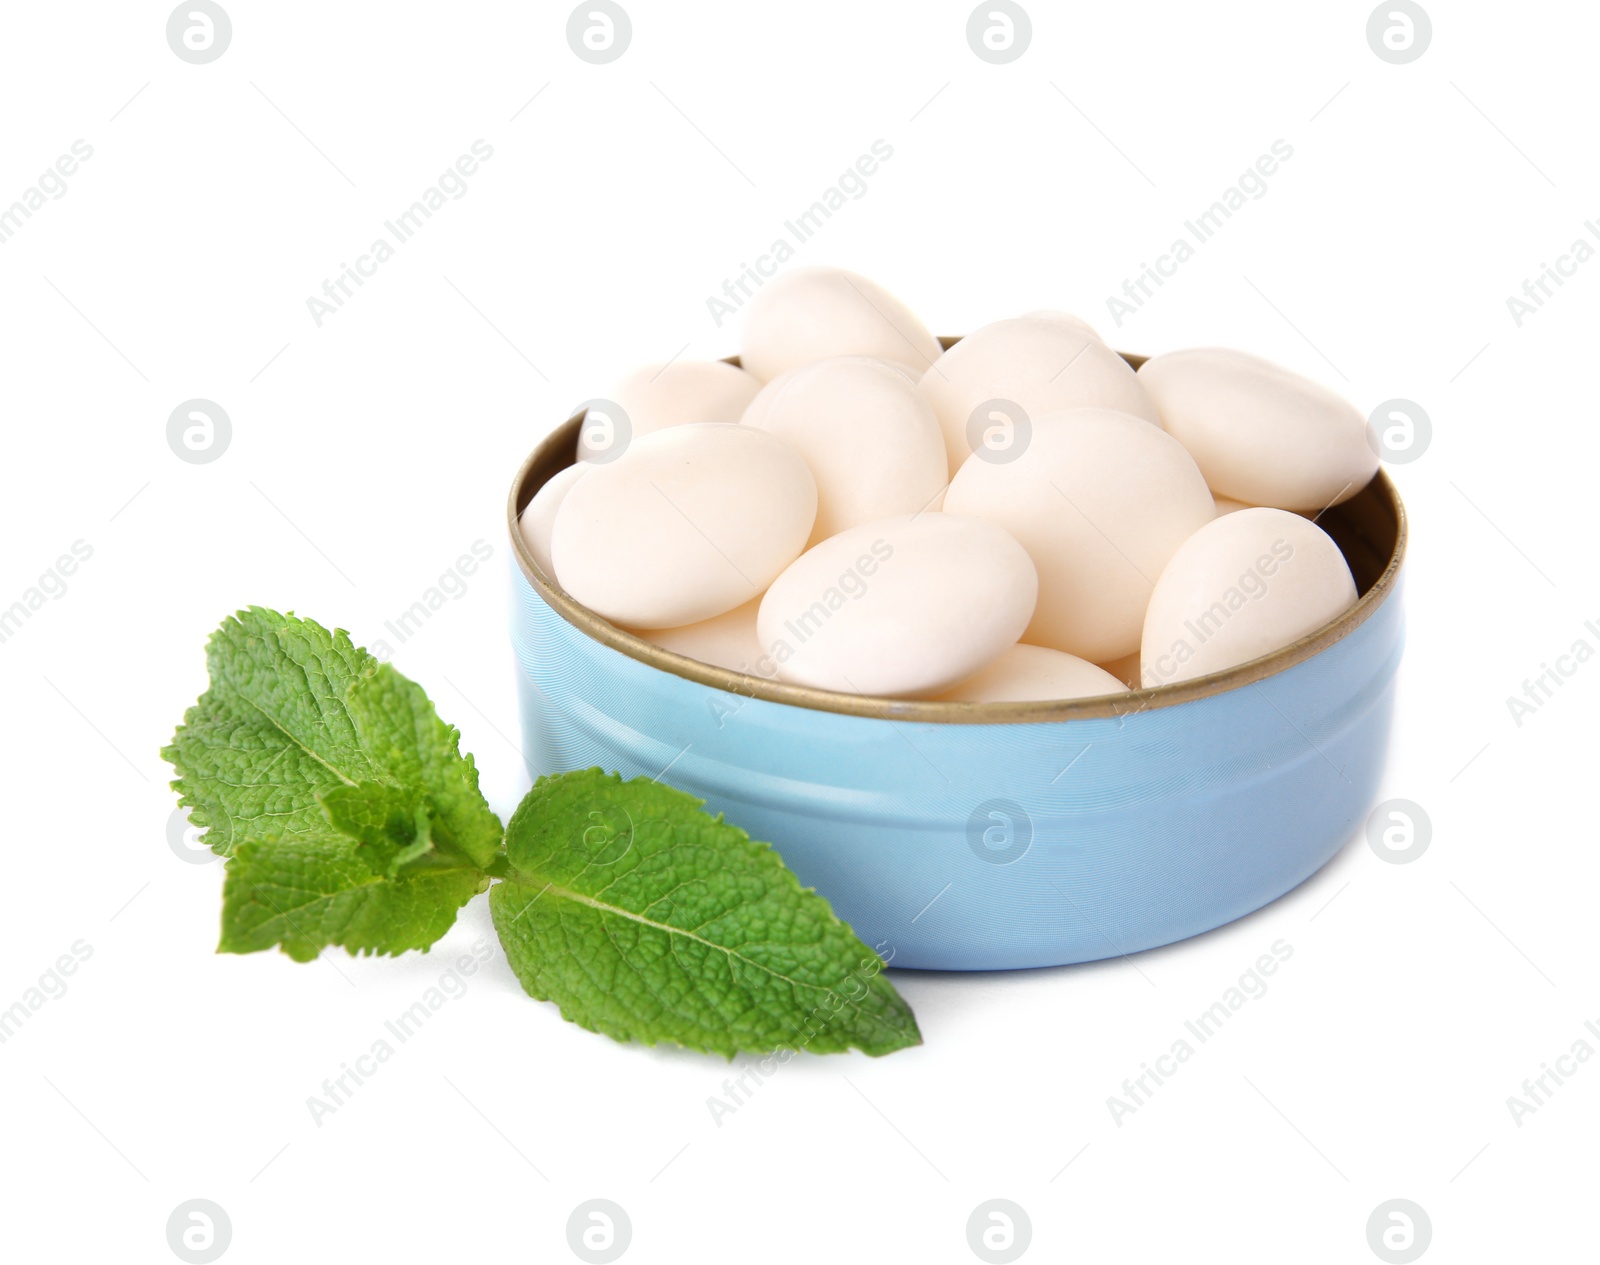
{"points": [[349, 815], [391, 825], [306, 892], [411, 747], [272, 731], [647, 919]]}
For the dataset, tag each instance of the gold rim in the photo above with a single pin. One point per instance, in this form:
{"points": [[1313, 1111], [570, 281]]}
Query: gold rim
{"points": [[1370, 529]]}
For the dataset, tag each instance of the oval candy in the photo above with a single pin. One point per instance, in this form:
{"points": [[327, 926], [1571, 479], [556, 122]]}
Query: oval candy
{"points": [[1100, 500], [1259, 432], [904, 606], [1041, 364], [724, 641], [871, 441], [688, 523], [673, 394], [808, 314], [1034, 673], [1242, 586], [539, 515]]}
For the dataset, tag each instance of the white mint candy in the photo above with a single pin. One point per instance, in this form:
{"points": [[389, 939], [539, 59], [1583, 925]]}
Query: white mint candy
{"points": [[872, 443], [1041, 364], [539, 515], [674, 394], [770, 391], [1241, 587], [724, 641], [757, 409], [905, 606], [1100, 500], [1261, 434], [1033, 673], [809, 314], [688, 523]]}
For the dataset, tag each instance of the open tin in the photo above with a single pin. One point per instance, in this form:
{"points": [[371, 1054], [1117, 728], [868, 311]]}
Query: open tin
{"points": [[978, 836]]}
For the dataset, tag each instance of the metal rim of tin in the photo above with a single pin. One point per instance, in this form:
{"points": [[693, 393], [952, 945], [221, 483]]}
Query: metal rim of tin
{"points": [[558, 449]]}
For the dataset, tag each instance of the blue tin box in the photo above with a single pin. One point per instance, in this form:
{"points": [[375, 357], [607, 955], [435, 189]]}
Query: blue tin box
{"points": [[980, 836]]}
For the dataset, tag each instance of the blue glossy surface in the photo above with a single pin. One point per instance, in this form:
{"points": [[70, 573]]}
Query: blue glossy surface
{"points": [[1145, 829]]}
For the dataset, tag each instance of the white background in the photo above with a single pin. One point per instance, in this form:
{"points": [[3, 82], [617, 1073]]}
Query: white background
{"points": [[369, 453]]}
